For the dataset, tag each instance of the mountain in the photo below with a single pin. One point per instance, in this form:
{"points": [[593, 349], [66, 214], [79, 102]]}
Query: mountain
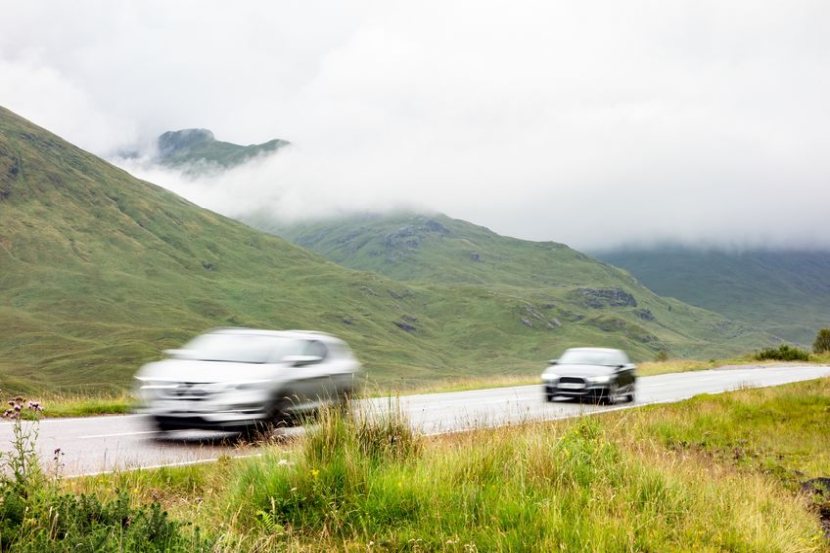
{"points": [[553, 288], [100, 271], [436, 248], [198, 149], [785, 292]]}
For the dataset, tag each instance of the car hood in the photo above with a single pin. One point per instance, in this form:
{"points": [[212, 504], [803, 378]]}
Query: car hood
{"points": [[187, 370], [579, 370]]}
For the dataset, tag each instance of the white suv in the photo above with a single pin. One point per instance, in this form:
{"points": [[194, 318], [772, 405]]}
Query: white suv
{"points": [[241, 379]]}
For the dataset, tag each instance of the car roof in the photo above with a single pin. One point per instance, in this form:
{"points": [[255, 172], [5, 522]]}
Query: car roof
{"points": [[296, 334], [608, 350]]}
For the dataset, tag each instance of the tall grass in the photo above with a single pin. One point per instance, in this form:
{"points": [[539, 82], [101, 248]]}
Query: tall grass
{"points": [[360, 484], [715, 473]]}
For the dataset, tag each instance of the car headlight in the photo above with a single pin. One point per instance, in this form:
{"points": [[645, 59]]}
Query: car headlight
{"points": [[550, 377], [602, 379]]}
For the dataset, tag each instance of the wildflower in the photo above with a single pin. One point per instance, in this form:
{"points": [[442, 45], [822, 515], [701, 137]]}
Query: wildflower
{"points": [[315, 473], [283, 463]]}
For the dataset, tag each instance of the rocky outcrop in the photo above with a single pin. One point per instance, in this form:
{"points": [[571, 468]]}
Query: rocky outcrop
{"points": [[406, 325], [173, 141], [599, 298], [644, 314], [411, 236]]}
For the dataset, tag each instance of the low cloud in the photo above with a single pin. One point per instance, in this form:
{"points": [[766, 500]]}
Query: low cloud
{"points": [[591, 123]]}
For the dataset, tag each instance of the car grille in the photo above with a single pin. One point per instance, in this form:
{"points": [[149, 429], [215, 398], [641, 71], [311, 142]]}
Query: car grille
{"points": [[571, 380], [188, 391]]}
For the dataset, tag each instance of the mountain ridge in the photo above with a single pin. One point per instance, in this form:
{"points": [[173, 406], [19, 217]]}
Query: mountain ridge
{"points": [[794, 283], [197, 151]]}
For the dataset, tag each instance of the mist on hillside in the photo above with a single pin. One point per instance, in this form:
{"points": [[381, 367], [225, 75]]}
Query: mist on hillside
{"points": [[297, 185], [594, 123]]}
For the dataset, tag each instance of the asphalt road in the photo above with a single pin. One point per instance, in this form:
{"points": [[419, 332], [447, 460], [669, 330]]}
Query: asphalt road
{"points": [[108, 443]]}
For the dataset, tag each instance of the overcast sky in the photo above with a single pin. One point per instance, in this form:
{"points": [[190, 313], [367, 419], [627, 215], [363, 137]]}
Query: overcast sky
{"points": [[589, 122]]}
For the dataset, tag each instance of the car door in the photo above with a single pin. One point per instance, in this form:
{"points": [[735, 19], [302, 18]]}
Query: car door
{"points": [[313, 379], [626, 374]]}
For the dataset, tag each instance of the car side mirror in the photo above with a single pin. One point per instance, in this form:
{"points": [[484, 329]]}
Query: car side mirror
{"points": [[553, 361], [301, 360]]}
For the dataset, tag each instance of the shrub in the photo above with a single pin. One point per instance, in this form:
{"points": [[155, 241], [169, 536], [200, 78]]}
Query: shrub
{"points": [[662, 356], [822, 343], [783, 352], [35, 516]]}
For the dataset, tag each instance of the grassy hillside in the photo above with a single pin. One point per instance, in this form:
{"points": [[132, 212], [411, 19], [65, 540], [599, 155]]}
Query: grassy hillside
{"points": [[198, 147], [553, 289], [413, 247], [784, 292], [100, 271]]}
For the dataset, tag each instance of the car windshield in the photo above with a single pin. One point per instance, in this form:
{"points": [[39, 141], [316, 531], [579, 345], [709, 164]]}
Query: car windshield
{"points": [[239, 348], [591, 357]]}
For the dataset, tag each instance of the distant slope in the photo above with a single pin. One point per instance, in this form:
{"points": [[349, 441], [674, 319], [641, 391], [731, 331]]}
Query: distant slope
{"points": [[412, 247], [99, 271], [196, 149], [784, 292], [574, 298]]}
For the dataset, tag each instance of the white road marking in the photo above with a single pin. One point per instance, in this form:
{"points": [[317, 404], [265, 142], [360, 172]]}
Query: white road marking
{"points": [[118, 434], [161, 466]]}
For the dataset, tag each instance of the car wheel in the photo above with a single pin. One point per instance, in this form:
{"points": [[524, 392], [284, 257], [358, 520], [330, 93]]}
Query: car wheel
{"points": [[549, 397], [264, 429], [630, 396], [610, 394], [161, 426]]}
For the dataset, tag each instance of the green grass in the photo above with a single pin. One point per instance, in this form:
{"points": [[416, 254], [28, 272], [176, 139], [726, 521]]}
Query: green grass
{"points": [[101, 272], [714, 473], [86, 406]]}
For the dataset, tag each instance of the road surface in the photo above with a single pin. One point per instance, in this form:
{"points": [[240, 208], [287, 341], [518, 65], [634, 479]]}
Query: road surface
{"points": [[108, 443]]}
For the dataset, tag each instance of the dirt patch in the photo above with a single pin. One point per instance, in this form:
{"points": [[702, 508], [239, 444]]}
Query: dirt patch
{"points": [[819, 490]]}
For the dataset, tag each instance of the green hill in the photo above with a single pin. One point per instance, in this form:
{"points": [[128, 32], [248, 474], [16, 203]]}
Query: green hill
{"points": [[195, 148], [555, 289], [785, 292], [99, 271], [412, 247]]}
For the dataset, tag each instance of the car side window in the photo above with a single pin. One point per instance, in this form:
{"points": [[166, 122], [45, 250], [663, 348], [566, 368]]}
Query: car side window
{"points": [[316, 348]]}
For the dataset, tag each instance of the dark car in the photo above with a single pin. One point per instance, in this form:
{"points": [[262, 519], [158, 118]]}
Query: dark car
{"points": [[600, 374]]}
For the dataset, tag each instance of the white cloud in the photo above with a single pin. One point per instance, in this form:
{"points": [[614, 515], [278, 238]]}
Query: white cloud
{"points": [[589, 122]]}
